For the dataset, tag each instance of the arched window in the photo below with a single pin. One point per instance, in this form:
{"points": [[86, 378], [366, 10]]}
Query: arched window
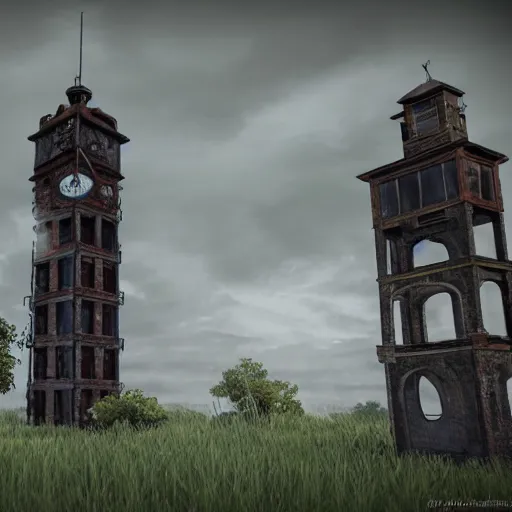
{"points": [[485, 243], [493, 315], [427, 252], [439, 321], [430, 401]]}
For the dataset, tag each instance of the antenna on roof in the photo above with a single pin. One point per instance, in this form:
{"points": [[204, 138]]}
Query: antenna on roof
{"points": [[425, 67], [79, 77]]}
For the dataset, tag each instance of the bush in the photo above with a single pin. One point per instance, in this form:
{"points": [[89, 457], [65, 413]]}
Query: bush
{"points": [[131, 407]]}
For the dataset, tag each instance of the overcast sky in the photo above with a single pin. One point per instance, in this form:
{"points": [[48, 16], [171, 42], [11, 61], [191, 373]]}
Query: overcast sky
{"points": [[245, 232]]}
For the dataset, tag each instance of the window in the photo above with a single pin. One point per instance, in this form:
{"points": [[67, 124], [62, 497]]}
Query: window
{"points": [[87, 317], [40, 363], [425, 117], [432, 185], [87, 272], [88, 363], [65, 269], [480, 181], [43, 237], [42, 278], [87, 230], [109, 327], [39, 407], [109, 277], [41, 326], [64, 317], [104, 393], [86, 402], [108, 235], [65, 231], [409, 191], [388, 199], [62, 407], [486, 183], [64, 368], [109, 364], [437, 184]]}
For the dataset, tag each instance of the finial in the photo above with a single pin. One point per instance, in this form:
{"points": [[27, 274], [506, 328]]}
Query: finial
{"points": [[79, 93], [425, 67]]}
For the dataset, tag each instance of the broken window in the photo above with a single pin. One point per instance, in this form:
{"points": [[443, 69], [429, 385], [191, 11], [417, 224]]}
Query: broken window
{"points": [[87, 230], [432, 185], [109, 277], [425, 117], [109, 325], [65, 269], [39, 407], [388, 199], [64, 317], [108, 235], [409, 191], [473, 179], [62, 407], [87, 272], [41, 314], [86, 402], [88, 363], [64, 367], [42, 278], [405, 132], [486, 183], [65, 231], [43, 237], [87, 317], [40, 363], [451, 179], [430, 401], [109, 364]]}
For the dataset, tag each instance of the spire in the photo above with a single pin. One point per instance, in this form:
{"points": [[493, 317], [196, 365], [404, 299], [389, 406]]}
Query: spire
{"points": [[79, 93]]}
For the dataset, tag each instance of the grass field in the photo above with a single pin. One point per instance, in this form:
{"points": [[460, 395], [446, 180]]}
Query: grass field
{"points": [[192, 464]]}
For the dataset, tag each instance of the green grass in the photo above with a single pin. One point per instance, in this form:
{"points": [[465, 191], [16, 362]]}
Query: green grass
{"points": [[192, 464]]}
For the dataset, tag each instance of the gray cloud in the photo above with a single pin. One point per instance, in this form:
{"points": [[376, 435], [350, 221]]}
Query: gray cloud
{"points": [[245, 232]]}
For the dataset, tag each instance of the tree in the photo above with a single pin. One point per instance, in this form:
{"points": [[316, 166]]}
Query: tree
{"points": [[7, 360], [250, 391], [131, 407], [370, 408]]}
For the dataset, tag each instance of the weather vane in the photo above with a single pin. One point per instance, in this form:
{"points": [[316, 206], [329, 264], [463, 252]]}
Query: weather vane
{"points": [[425, 67], [79, 77]]}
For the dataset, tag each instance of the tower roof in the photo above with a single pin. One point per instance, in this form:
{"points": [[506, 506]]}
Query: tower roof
{"points": [[426, 89]]}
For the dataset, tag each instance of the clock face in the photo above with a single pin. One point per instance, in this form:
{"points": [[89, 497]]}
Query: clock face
{"points": [[75, 186]]}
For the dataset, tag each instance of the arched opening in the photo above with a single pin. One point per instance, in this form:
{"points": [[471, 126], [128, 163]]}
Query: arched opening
{"points": [[397, 323], [493, 315], [485, 244], [430, 401], [439, 321], [427, 252]]}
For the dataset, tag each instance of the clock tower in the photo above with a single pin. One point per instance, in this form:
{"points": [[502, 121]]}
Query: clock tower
{"points": [[75, 299]]}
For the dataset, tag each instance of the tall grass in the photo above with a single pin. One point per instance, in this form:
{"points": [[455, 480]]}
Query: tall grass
{"points": [[195, 464]]}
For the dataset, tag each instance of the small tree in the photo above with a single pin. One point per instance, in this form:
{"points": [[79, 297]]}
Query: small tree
{"points": [[370, 408], [130, 407], [250, 391], [7, 360]]}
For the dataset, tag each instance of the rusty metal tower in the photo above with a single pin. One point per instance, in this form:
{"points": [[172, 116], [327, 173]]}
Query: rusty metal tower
{"points": [[74, 305], [443, 187]]}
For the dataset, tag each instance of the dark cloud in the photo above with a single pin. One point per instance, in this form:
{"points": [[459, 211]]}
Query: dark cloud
{"points": [[245, 232]]}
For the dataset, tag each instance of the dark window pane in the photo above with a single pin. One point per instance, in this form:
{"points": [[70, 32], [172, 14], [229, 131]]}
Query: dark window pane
{"points": [[65, 269], [432, 185], [487, 185], [65, 231], [473, 179], [425, 117], [451, 179], [409, 192], [405, 132], [65, 317], [388, 199], [87, 317], [108, 235]]}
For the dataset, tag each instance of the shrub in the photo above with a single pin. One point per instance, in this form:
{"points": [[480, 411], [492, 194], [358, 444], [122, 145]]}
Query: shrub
{"points": [[131, 407]]}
